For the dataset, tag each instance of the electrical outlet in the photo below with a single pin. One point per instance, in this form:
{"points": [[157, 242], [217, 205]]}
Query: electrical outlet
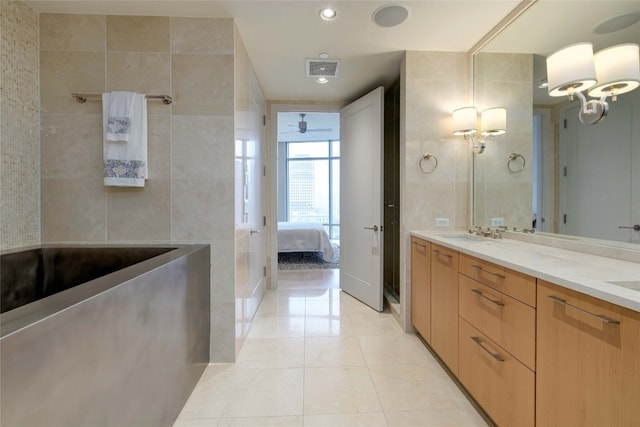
{"points": [[497, 222], [442, 222]]}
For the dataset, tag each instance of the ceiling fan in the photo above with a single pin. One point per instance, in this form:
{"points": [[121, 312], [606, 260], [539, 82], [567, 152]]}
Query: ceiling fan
{"points": [[302, 126]]}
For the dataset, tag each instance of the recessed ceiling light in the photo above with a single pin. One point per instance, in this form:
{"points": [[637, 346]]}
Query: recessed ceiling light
{"points": [[390, 15], [322, 80], [617, 23], [328, 14], [324, 55]]}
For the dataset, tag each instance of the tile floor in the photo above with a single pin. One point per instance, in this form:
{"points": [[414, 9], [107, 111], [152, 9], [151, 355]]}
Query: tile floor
{"points": [[315, 356]]}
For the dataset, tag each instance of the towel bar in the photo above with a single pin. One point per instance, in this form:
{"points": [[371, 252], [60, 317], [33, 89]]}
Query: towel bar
{"points": [[82, 97]]}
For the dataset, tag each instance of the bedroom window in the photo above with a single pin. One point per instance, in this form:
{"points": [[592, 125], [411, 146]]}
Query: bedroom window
{"points": [[313, 184]]}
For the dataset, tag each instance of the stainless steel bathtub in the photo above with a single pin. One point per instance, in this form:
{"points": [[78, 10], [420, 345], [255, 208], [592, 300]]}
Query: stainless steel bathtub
{"points": [[123, 349]]}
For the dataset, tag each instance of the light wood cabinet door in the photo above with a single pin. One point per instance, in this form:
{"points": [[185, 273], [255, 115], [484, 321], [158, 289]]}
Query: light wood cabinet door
{"points": [[444, 305], [421, 287], [588, 361], [503, 386]]}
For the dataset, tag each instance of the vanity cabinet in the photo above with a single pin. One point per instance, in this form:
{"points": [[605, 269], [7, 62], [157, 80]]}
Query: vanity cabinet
{"points": [[421, 287], [588, 361], [497, 340], [531, 353], [444, 305]]}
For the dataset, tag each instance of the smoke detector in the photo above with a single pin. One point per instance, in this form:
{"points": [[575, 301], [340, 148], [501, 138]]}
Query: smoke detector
{"points": [[322, 67]]}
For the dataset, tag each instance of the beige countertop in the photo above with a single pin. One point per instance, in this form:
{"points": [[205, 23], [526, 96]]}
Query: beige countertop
{"points": [[582, 272]]}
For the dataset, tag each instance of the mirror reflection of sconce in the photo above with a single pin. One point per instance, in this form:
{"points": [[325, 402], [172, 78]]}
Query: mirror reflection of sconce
{"points": [[610, 72], [493, 122]]}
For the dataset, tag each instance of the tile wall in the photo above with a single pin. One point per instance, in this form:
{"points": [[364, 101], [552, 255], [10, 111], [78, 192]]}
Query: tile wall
{"points": [[19, 140], [189, 196], [433, 84], [505, 80]]}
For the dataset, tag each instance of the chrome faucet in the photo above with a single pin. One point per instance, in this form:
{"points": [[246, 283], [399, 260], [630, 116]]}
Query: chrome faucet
{"points": [[494, 233], [476, 230]]}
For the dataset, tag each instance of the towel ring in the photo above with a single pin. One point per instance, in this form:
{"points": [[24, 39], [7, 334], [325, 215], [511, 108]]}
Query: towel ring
{"points": [[428, 156], [512, 160]]}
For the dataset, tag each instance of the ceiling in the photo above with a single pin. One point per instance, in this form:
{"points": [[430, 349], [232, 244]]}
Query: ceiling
{"points": [[549, 25], [557, 24], [281, 35]]}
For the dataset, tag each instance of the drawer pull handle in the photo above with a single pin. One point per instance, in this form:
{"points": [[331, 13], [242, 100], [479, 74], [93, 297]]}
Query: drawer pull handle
{"points": [[420, 246], [480, 294], [441, 254], [494, 355], [482, 270], [601, 317]]}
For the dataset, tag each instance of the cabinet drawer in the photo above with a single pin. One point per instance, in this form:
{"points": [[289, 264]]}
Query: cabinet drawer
{"points": [[507, 321], [515, 284], [503, 386]]}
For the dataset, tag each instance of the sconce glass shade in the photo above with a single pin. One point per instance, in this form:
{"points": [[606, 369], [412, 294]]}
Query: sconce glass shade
{"points": [[494, 121], [571, 69], [618, 70], [465, 121]]}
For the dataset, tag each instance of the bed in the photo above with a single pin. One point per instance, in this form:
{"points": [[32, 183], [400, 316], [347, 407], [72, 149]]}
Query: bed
{"points": [[304, 237]]}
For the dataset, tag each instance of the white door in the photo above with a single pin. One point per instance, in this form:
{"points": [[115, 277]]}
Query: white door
{"points": [[361, 160], [598, 188]]}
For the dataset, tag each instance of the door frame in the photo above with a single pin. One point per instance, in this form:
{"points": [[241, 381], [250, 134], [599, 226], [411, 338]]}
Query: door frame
{"points": [[272, 176]]}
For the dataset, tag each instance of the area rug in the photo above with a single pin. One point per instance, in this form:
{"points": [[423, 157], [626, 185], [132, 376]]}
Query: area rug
{"points": [[307, 260]]}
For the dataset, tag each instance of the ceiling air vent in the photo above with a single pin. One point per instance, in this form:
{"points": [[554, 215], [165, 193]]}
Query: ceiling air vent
{"points": [[322, 68]]}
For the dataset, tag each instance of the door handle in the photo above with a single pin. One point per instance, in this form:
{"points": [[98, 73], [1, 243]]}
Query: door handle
{"points": [[482, 270], [374, 228], [252, 232], [635, 227], [480, 294], [496, 356], [602, 317]]}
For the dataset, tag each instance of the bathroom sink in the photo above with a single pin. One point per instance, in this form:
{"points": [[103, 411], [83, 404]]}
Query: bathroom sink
{"points": [[634, 285], [465, 238]]}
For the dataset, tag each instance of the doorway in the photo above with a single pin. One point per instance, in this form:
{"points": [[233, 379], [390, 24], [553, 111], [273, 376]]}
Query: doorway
{"points": [[308, 190], [290, 138], [391, 257]]}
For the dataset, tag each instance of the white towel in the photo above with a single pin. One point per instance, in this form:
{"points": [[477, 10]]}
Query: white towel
{"points": [[119, 106], [125, 165]]}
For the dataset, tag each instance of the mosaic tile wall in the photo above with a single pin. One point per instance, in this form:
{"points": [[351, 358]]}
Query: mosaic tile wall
{"points": [[19, 134]]}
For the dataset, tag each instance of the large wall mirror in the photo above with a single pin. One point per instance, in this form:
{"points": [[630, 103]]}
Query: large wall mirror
{"points": [[550, 171]]}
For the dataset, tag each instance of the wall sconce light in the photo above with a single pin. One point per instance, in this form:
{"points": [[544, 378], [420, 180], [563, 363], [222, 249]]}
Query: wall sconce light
{"points": [[493, 122], [610, 72]]}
